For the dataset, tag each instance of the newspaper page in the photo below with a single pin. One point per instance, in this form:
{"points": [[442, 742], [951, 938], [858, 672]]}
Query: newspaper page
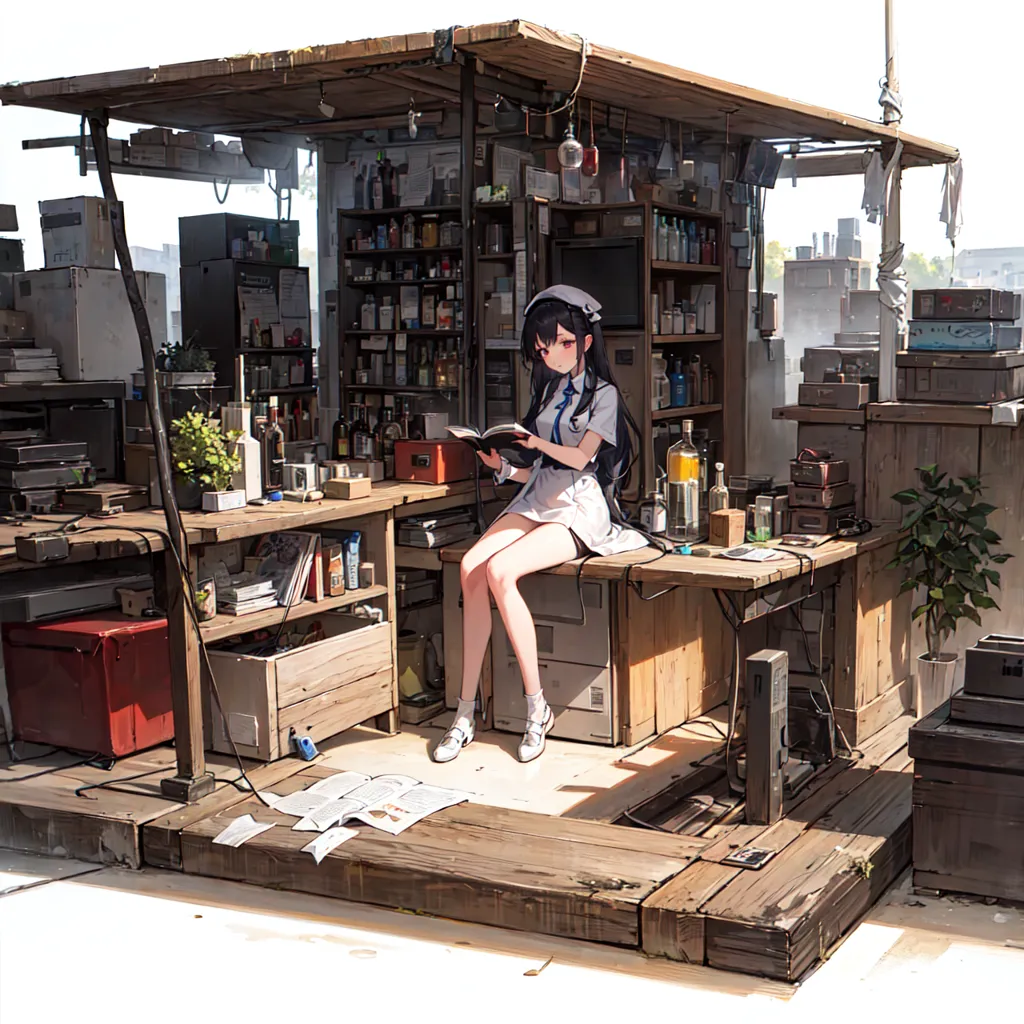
{"points": [[241, 830], [396, 814], [330, 840], [339, 785]]}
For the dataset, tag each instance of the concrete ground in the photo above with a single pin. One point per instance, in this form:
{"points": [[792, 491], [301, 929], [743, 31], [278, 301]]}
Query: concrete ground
{"points": [[86, 944]]}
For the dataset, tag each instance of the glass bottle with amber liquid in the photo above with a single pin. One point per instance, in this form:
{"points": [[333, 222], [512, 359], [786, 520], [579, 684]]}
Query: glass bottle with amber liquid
{"points": [[273, 453], [684, 489], [339, 439]]}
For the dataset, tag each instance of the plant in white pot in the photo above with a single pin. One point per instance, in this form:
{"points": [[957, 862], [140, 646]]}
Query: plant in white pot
{"points": [[203, 465], [948, 555]]}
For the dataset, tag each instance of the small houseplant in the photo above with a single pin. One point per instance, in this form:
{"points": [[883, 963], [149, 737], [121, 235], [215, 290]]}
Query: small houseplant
{"points": [[200, 458], [185, 358], [948, 554]]}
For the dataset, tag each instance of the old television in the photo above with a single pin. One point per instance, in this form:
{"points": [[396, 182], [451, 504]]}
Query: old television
{"points": [[610, 269]]}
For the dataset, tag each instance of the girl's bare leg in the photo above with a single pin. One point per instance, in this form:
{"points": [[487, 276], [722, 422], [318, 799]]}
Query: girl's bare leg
{"points": [[476, 605], [547, 545]]}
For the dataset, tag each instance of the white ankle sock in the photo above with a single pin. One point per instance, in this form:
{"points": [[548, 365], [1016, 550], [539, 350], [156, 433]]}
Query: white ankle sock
{"points": [[464, 714], [536, 707]]}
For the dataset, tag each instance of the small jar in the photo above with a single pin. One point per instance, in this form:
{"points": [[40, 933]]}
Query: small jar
{"points": [[429, 235]]}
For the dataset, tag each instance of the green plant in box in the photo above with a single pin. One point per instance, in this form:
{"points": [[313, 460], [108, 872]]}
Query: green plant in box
{"points": [[199, 452], [185, 357], [948, 553]]}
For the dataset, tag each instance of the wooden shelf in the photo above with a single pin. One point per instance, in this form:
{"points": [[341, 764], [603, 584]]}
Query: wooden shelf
{"points": [[684, 412], [418, 332], [685, 268], [306, 389], [394, 211], [812, 414], [496, 257], [223, 626], [686, 211], [407, 557], [402, 389], [287, 351], [682, 339], [359, 254], [362, 282]]}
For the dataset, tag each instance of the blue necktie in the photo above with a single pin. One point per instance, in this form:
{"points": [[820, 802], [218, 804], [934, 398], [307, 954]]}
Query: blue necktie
{"points": [[567, 393]]}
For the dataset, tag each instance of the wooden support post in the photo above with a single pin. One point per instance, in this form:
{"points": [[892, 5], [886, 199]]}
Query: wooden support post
{"points": [[191, 782], [467, 101]]}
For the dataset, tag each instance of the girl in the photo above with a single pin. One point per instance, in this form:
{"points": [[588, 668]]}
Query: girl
{"points": [[566, 508]]}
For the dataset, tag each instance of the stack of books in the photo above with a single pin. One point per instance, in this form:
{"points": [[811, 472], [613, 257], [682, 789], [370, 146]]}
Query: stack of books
{"points": [[437, 531], [26, 364], [246, 593]]}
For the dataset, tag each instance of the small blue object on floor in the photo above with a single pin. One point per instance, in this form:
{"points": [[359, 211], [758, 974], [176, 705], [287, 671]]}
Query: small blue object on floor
{"points": [[305, 747]]}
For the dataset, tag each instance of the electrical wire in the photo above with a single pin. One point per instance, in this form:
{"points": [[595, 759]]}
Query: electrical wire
{"points": [[575, 90], [227, 189]]}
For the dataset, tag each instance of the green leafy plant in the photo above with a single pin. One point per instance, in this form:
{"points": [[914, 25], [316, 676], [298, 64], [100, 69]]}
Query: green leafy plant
{"points": [[199, 452], [948, 552], [185, 357]]}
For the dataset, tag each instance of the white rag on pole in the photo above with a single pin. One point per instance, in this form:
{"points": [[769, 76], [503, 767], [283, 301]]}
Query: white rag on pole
{"points": [[876, 182], [892, 281], [952, 186]]}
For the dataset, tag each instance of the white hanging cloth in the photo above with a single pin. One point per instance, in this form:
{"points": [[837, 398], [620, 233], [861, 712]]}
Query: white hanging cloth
{"points": [[952, 186], [876, 182], [892, 279]]}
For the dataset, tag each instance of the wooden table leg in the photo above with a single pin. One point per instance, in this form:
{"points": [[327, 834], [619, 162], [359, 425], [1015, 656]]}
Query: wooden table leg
{"points": [[192, 781]]}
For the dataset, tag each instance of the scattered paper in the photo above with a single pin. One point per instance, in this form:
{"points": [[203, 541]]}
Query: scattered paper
{"points": [[268, 797], [331, 813], [302, 803], [241, 830], [411, 806], [330, 840], [339, 785], [745, 554]]}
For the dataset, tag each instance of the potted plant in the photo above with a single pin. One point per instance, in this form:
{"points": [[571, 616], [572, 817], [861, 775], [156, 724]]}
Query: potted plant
{"points": [[185, 365], [202, 462], [947, 553]]}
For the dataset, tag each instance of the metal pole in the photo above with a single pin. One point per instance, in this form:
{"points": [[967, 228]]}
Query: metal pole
{"points": [[890, 318]]}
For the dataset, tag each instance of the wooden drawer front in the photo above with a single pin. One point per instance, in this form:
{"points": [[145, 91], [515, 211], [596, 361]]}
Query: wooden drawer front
{"points": [[326, 683], [319, 668]]}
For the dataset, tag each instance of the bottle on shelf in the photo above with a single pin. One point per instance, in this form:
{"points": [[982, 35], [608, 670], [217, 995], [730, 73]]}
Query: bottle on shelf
{"points": [[404, 418], [677, 384], [394, 235], [713, 243], [390, 432], [684, 489], [339, 438], [423, 370], [441, 366], [684, 242], [453, 363], [663, 238], [673, 240], [692, 243], [273, 453], [661, 394], [693, 382], [409, 232], [360, 438], [718, 497], [378, 187]]}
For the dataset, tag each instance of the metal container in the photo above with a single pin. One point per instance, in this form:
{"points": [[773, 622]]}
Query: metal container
{"points": [[818, 521], [962, 336], [833, 358], [84, 316], [978, 379], [837, 396], [994, 667], [811, 472], [821, 497], [965, 304]]}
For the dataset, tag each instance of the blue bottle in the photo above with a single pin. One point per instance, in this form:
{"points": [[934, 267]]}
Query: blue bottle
{"points": [[677, 385]]}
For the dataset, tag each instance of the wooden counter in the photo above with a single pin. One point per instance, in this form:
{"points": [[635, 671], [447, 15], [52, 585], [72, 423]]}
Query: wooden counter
{"points": [[672, 647]]}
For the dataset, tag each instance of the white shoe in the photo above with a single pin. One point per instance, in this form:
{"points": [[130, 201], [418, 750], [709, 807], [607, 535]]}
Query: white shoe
{"points": [[452, 743], [534, 739]]}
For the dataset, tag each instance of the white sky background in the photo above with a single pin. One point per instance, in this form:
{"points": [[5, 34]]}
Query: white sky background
{"points": [[820, 51]]}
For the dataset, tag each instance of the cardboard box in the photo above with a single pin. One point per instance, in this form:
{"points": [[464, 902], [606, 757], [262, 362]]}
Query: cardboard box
{"points": [[223, 501], [77, 232], [181, 159], [346, 488], [136, 463], [14, 326], [837, 396], [727, 527], [334, 570]]}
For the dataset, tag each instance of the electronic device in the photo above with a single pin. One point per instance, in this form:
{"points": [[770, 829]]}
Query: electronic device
{"points": [[609, 267], [994, 667], [760, 164], [767, 686]]}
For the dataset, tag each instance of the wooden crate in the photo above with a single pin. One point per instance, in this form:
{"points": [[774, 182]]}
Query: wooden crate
{"points": [[968, 807], [317, 691]]}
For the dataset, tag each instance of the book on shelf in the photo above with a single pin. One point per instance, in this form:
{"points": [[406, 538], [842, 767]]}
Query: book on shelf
{"points": [[258, 604], [501, 439], [287, 561], [434, 538], [244, 587], [28, 376]]}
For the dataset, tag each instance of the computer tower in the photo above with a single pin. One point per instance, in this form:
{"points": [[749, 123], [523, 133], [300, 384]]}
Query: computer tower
{"points": [[767, 688]]}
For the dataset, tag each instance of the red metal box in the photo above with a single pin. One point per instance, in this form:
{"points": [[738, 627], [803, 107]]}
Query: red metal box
{"points": [[99, 683], [434, 462]]}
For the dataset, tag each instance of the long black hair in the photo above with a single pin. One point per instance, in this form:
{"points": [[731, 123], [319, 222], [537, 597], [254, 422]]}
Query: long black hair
{"points": [[614, 463]]}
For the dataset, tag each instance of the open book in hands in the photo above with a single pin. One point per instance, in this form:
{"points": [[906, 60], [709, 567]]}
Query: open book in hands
{"points": [[501, 439]]}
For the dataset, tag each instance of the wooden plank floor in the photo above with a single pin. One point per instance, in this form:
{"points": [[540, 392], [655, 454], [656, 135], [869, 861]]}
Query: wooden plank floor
{"points": [[843, 840]]}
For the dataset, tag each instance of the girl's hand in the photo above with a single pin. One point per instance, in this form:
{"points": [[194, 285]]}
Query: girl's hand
{"points": [[533, 442], [492, 460]]}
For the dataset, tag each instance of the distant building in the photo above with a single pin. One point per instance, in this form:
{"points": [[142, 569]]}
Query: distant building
{"points": [[990, 268], [164, 261]]}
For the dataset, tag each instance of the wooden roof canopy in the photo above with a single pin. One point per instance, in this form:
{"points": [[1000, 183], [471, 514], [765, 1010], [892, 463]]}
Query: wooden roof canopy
{"points": [[372, 80]]}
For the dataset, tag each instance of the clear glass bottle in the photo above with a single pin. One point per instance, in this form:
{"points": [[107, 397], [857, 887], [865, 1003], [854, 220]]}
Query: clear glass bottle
{"points": [[409, 232], [273, 453], [390, 432], [718, 497], [673, 241], [663, 238], [684, 489]]}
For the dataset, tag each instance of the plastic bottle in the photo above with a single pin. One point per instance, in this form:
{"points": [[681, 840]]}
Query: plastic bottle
{"points": [[677, 384]]}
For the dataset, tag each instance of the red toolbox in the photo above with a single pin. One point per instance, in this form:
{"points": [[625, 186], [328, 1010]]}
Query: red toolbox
{"points": [[99, 683], [434, 462]]}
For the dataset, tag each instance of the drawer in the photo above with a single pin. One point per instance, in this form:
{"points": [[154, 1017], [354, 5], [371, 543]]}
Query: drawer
{"points": [[581, 696], [318, 690]]}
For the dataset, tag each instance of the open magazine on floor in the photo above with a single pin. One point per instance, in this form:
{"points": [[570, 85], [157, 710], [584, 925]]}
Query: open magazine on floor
{"points": [[390, 803]]}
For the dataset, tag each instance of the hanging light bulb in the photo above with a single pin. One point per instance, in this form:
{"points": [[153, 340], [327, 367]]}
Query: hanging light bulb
{"points": [[323, 106], [570, 152], [414, 129]]}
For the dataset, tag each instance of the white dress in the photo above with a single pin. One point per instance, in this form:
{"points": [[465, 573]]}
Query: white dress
{"points": [[558, 494]]}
